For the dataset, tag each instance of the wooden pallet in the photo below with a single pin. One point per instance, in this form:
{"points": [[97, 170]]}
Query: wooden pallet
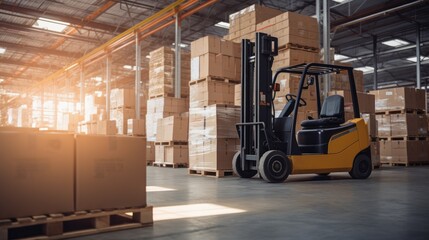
{"points": [[183, 95], [403, 138], [399, 111], [214, 78], [171, 143], [59, 226], [170, 165], [211, 173], [149, 162], [298, 47]]}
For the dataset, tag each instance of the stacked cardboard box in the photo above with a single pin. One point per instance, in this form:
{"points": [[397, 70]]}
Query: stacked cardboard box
{"points": [[171, 144], [213, 138], [243, 24], [402, 125], [161, 107], [162, 69], [122, 107]]}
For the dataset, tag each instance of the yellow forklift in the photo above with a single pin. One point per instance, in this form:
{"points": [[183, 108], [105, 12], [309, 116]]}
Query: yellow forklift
{"points": [[270, 145]]}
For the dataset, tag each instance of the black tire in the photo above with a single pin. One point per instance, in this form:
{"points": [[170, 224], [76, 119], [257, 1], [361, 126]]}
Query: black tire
{"points": [[362, 167], [323, 174], [274, 166], [236, 167]]}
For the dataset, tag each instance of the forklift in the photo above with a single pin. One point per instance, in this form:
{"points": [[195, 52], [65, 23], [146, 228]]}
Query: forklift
{"points": [[270, 145]]}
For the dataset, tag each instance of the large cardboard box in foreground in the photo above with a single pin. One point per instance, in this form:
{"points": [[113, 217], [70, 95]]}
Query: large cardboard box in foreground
{"points": [[36, 173], [110, 172]]}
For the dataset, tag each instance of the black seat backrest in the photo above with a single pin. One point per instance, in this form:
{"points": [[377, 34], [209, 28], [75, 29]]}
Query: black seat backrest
{"points": [[333, 107], [287, 109]]}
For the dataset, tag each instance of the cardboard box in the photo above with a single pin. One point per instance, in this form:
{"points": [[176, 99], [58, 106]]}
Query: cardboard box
{"points": [[173, 129], [121, 116], [215, 45], [215, 65], [395, 99], [384, 129], [366, 102], [122, 98], [214, 121], [110, 172], [375, 154], [159, 153], [136, 127], [36, 173], [176, 154], [204, 93], [150, 151], [420, 99], [212, 154], [386, 152], [404, 124], [237, 95], [107, 127]]}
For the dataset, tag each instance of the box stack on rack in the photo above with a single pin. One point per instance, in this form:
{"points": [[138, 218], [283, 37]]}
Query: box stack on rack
{"points": [[161, 73], [402, 126], [243, 24], [171, 146]]}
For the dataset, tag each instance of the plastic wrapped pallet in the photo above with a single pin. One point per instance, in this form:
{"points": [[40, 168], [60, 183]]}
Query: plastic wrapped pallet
{"points": [[384, 126], [161, 72], [122, 98], [121, 116], [206, 92], [136, 127], [172, 129], [212, 154]]}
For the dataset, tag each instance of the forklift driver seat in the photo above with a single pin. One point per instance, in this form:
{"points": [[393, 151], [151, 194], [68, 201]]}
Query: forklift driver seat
{"points": [[331, 115]]}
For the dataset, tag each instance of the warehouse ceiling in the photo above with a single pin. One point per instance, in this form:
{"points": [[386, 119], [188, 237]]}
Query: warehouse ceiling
{"points": [[31, 51]]}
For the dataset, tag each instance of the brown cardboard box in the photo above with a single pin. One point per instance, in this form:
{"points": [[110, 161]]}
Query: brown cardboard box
{"points": [[372, 124], [110, 172], [237, 95], [173, 129], [386, 152], [136, 127], [36, 173], [107, 127], [366, 102], [215, 65], [122, 98], [394, 99], [404, 124], [405, 151], [384, 127], [121, 116], [420, 99], [204, 93], [375, 154], [176, 154], [150, 151], [215, 45], [212, 154]]}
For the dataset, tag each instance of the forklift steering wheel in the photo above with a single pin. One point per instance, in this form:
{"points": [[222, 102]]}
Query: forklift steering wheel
{"points": [[302, 102]]}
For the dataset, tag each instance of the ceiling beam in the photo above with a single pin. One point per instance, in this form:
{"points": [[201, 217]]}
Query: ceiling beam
{"points": [[35, 65], [6, 74], [60, 17], [39, 50]]}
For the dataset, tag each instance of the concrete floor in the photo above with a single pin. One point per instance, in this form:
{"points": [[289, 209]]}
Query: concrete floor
{"points": [[392, 204]]}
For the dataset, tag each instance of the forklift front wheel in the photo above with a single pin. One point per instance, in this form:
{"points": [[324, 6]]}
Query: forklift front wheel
{"points": [[236, 167], [274, 166], [362, 167]]}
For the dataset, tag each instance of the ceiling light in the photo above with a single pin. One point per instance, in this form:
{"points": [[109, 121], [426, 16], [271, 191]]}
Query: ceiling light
{"points": [[50, 24], [2, 50], [1, 80], [340, 1], [339, 57], [222, 25], [395, 43], [182, 45], [365, 69], [414, 59], [98, 79]]}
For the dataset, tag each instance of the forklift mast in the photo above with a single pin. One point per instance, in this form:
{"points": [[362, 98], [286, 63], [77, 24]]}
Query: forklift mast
{"points": [[256, 136]]}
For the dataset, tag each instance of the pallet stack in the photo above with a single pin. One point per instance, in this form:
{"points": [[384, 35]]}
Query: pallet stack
{"points": [[213, 139], [162, 103], [171, 146], [403, 126]]}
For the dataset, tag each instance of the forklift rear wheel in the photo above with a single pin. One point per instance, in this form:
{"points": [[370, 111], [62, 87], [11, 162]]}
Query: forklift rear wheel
{"points": [[236, 167], [362, 167], [274, 166]]}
